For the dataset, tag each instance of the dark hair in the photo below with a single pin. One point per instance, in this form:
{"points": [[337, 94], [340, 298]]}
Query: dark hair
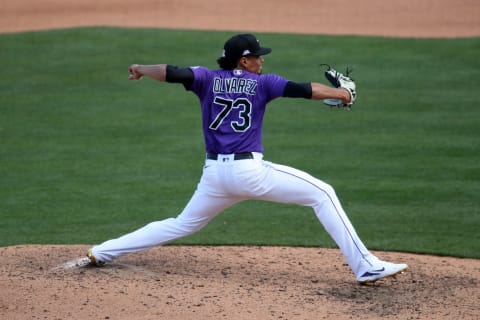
{"points": [[226, 64]]}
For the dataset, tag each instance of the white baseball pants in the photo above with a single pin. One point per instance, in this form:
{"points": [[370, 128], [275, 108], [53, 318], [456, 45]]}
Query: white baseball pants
{"points": [[225, 182]]}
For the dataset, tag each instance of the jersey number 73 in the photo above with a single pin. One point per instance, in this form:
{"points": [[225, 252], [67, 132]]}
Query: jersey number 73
{"points": [[242, 123]]}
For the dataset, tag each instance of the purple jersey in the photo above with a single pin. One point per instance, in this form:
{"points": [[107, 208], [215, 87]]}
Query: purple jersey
{"points": [[233, 104]]}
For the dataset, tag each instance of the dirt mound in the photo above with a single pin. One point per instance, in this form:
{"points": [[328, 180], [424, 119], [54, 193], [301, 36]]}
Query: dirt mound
{"points": [[182, 282]]}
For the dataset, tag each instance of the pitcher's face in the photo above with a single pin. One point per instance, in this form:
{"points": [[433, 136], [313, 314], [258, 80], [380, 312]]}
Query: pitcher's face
{"points": [[252, 64]]}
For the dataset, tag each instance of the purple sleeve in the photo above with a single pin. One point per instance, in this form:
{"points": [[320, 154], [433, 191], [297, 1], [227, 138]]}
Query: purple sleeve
{"points": [[274, 84], [200, 74]]}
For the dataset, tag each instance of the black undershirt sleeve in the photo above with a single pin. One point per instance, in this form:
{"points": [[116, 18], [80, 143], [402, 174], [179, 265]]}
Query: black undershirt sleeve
{"points": [[298, 90], [179, 75]]}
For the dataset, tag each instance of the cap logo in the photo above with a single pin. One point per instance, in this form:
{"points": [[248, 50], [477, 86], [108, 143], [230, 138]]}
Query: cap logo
{"points": [[246, 52]]}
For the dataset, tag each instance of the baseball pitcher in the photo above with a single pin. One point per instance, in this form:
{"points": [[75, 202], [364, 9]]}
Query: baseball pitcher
{"points": [[233, 101]]}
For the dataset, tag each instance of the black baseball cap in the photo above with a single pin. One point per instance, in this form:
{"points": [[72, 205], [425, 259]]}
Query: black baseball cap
{"points": [[242, 45]]}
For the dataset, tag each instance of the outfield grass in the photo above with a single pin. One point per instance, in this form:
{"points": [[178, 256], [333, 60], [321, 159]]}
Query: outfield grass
{"points": [[87, 155]]}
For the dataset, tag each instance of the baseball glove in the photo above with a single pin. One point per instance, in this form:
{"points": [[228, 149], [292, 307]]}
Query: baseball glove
{"points": [[337, 80]]}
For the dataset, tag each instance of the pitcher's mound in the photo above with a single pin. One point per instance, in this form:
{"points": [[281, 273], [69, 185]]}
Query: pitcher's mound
{"points": [[180, 282]]}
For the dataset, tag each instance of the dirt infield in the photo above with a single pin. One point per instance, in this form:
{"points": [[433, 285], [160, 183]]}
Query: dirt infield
{"points": [[404, 18], [181, 282]]}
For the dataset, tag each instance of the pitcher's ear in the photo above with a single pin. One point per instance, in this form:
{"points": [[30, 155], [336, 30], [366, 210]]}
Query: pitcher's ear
{"points": [[243, 62]]}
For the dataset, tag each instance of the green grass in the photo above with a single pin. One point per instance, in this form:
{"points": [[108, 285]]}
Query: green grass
{"points": [[87, 155]]}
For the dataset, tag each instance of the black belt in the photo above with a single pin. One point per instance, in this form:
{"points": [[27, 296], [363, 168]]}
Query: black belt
{"points": [[236, 156]]}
